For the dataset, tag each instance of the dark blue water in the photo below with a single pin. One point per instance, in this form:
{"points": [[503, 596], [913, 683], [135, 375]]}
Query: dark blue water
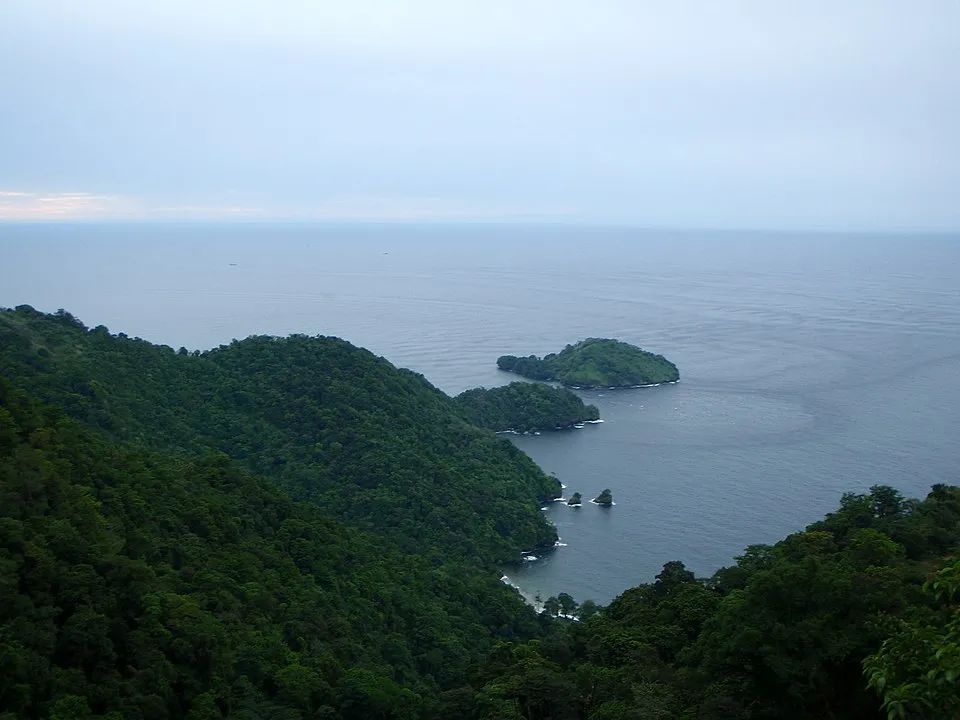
{"points": [[811, 364]]}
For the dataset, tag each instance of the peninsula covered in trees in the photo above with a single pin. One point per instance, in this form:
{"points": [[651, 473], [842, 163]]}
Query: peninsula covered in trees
{"points": [[525, 407], [595, 362], [326, 421], [293, 528]]}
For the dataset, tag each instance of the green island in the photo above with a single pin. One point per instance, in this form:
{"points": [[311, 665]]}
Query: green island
{"points": [[605, 498], [292, 528], [575, 500], [595, 363], [525, 407]]}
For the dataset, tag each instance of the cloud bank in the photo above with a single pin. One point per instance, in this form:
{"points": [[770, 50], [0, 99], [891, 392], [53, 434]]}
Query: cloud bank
{"points": [[724, 114]]}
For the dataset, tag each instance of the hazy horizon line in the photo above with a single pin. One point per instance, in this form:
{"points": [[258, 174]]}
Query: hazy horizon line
{"points": [[475, 222]]}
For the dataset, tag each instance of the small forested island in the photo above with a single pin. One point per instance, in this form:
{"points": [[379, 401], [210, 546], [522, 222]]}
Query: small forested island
{"points": [[605, 498], [576, 500], [595, 362], [525, 407]]}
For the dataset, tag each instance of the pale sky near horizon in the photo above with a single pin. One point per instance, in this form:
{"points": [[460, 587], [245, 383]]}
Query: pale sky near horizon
{"points": [[794, 115]]}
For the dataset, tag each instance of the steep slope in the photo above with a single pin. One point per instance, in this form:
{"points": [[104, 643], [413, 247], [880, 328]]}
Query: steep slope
{"points": [[522, 406], [595, 362], [784, 634], [146, 574], [157, 587], [379, 447]]}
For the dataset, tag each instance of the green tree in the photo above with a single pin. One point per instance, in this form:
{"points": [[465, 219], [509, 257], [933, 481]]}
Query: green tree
{"points": [[568, 606], [917, 670]]}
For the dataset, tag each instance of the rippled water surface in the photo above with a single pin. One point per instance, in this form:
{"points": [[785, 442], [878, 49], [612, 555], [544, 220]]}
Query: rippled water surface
{"points": [[810, 364]]}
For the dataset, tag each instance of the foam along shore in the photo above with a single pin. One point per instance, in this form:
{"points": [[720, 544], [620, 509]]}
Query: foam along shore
{"points": [[529, 556], [603, 504], [537, 605], [623, 387], [577, 426]]}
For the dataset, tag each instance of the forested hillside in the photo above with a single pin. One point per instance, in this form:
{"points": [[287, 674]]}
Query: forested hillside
{"points": [[294, 529], [523, 407], [783, 634], [379, 447], [155, 587]]}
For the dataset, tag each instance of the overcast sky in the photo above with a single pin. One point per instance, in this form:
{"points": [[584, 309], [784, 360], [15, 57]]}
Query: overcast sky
{"points": [[835, 115]]}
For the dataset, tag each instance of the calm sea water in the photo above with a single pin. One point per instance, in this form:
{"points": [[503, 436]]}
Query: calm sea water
{"points": [[810, 364]]}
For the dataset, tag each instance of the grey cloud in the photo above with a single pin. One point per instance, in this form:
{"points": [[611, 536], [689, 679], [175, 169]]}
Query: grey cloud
{"points": [[772, 114]]}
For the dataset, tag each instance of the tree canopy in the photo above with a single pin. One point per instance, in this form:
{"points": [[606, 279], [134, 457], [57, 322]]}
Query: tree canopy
{"points": [[523, 407], [294, 529], [379, 447], [135, 584], [595, 362], [783, 633]]}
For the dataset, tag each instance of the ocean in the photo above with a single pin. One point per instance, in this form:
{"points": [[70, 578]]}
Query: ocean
{"points": [[811, 364]]}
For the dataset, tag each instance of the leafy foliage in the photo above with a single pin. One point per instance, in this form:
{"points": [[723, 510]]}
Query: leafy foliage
{"points": [[595, 362], [781, 634], [292, 528], [917, 670], [525, 407], [136, 585], [381, 448]]}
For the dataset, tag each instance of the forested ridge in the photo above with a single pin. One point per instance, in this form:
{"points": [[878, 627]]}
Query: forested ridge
{"points": [[381, 448], [523, 407], [262, 531], [595, 362], [135, 585]]}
